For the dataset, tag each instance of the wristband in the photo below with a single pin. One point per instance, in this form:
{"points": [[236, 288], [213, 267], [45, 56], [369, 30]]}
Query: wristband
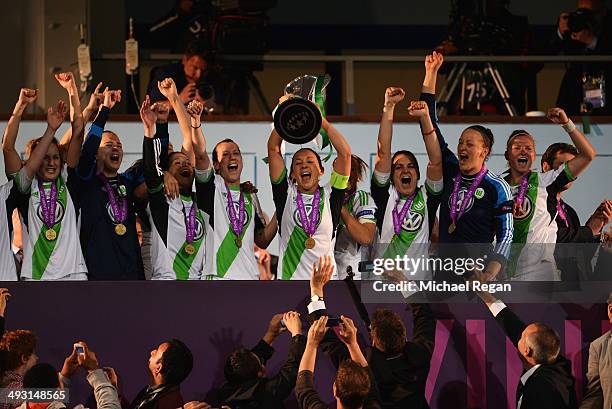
{"points": [[196, 127], [569, 126], [388, 108], [429, 133]]}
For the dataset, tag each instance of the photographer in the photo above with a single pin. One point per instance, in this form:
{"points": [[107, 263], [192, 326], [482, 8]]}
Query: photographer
{"points": [[586, 31], [194, 76], [245, 371], [399, 367], [45, 376]]}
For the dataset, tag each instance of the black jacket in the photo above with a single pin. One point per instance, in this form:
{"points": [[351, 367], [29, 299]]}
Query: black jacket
{"points": [[161, 397], [551, 386], [575, 247], [266, 393], [401, 378]]}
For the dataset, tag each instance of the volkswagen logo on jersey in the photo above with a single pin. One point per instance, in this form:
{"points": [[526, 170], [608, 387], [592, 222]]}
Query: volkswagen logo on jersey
{"points": [[525, 209], [461, 195], [59, 212], [199, 230], [308, 208], [412, 222]]}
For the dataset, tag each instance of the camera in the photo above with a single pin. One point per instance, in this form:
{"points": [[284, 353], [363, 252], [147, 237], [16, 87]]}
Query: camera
{"points": [[579, 20], [206, 91]]}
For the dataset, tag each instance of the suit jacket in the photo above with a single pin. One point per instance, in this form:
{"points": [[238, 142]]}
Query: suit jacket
{"points": [[167, 398], [401, 378], [551, 386], [599, 374], [267, 393]]}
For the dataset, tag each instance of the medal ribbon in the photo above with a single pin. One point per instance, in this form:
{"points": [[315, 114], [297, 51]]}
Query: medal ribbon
{"points": [[523, 189], [237, 222], [190, 224], [561, 213], [468, 195], [119, 206], [48, 204], [398, 217], [309, 224]]}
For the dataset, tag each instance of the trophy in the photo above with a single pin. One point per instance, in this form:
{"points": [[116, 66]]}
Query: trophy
{"points": [[297, 118]]}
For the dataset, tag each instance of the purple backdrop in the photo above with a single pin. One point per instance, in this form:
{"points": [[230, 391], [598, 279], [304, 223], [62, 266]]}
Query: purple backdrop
{"points": [[122, 322]]}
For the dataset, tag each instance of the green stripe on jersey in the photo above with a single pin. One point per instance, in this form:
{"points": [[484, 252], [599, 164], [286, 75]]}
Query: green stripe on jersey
{"points": [[295, 245], [43, 248], [228, 251], [183, 261]]}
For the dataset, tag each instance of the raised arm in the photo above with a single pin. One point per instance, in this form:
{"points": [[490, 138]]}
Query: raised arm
{"points": [[586, 152], [168, 88], [94, 103], [276, 163], [420, 110], [393, 96], [348, 335], [12, 161], [315, 335], [71, 151], [433, 62], [150, 152], [342, 165], [55, 117], [202, 160]]}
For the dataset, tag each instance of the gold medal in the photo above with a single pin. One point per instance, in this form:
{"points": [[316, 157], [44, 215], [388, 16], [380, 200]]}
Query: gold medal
{"points": [[309, 243], [452, 228], [238, 242], [50, 234], [189, 249], [120, 229]]}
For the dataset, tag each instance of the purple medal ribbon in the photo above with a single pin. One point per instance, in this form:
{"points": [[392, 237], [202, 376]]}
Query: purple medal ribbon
{"points": [[309, 225], [119, 206], [522, 189], [236, 222], [398, 217], [468, 195], [190, 224], [48, 204], [561, 213]]}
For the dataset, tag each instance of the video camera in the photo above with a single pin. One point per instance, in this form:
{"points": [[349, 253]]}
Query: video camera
{"points": [[579, 20]]}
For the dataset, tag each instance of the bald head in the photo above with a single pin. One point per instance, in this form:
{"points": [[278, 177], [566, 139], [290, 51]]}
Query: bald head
{"points": [[543, 341]]}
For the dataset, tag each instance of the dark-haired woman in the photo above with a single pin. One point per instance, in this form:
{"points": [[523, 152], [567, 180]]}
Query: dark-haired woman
{"points": [[476, 204], [403, 216], [357, 225], [308, 213]]}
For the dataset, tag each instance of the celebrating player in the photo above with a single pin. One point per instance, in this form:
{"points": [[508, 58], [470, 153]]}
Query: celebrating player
{"points": [[107, 203], [307, 212], [234, 221], [178, 225], [476, 204], [48, 213], [536, 198], [403, 215]]}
